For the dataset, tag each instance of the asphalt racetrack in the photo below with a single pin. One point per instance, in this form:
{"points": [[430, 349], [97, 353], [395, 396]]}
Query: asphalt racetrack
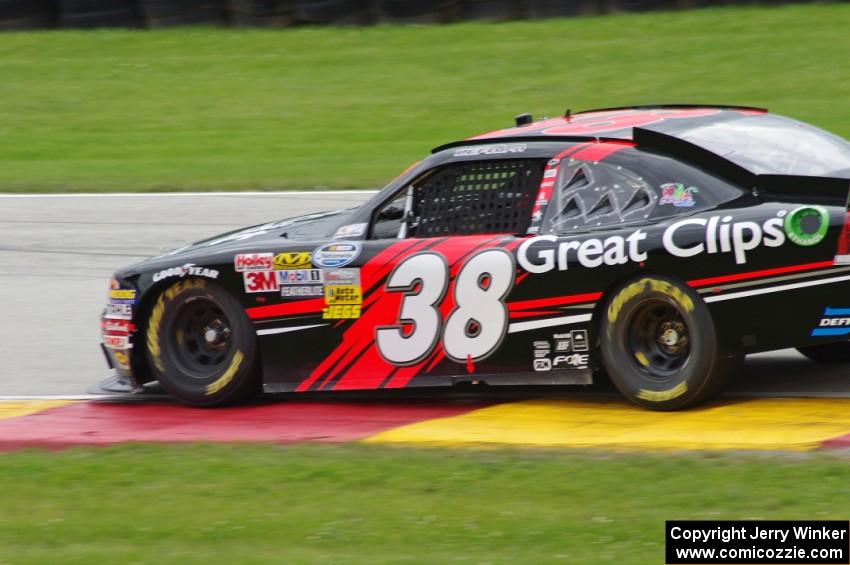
{"points": [[57, 253]]}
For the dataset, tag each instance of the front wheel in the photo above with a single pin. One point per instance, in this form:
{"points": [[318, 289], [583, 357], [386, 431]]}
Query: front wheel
{"points": [[659, 345], [201, 346]]}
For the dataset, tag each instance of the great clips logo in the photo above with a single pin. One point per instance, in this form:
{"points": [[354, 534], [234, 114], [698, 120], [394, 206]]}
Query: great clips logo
{"points": [[835, 321], [686, 238]]}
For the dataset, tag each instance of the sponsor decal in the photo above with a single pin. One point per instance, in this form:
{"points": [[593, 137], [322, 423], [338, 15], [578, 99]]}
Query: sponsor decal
{"points": [[351, 230], [341, 276], [565, 356], [337, 254], [574, 360], [835, 321], [341, 312], [676, 194], [545, 253], [118, 312], [499, 149], [292, 260], [122, 296], [121, 359], [117, 326], [260, 281], [117, 341], [301, 291], [300, 276], [253, 262], [720, 234], [578, 338], [343, 294], [187, 270], [807, 225]]}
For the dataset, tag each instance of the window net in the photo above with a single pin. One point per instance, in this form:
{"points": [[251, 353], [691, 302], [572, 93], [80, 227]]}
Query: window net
{"points": [[478, 197]]}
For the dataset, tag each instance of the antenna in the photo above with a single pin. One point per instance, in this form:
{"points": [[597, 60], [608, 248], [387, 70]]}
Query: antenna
{"points": [[523, 119]]}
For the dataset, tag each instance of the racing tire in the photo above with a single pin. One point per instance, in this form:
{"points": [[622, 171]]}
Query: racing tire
{"points": [[828, 353], [659, 346], [201, 345]]}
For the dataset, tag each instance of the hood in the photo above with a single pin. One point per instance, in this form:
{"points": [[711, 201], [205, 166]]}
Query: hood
{"points": [[308, 227]]}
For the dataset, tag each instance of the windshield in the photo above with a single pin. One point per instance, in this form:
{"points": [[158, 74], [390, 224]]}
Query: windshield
{"points": [[768, 144]]}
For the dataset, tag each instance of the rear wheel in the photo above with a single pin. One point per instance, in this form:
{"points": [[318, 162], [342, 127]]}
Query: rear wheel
{"points": [[659, 346], [201, 346], [828, 352]]}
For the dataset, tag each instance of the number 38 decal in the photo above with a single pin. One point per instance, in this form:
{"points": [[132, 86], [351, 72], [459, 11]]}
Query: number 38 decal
{"points": [[473, 329]]}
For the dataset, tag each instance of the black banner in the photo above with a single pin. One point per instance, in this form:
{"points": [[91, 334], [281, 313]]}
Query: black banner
{"points": [[757, 541]]}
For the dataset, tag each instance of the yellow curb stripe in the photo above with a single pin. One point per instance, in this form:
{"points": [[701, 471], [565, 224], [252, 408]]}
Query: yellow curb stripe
{"points": [[766, 423], [16, 408]]}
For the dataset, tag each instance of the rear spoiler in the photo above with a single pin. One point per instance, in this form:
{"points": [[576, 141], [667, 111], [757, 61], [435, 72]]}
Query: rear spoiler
{"points": [[765, 187]]}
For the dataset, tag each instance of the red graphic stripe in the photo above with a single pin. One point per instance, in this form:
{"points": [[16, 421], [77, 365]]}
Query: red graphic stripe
{"points": [[554, 301], [309, 306], [599, 151], [515, 315], [761, 273]]}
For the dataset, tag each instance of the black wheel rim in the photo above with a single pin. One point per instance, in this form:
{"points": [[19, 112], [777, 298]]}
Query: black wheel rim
{"points": [[202, 338], [658, 339]]}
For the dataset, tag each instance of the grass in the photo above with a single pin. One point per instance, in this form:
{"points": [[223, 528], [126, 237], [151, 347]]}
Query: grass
{"points": [[374, 504], [247, 109]]}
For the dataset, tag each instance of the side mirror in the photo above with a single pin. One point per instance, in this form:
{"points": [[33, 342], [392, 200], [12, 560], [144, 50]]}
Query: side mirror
{"points": [[390, 213]]}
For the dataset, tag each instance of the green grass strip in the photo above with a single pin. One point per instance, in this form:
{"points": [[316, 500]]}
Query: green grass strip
{"points": [[378, 504], [193, 109]]}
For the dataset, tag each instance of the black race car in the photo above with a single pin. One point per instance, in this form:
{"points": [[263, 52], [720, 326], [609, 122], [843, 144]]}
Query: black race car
{"points": [[657, 244]]}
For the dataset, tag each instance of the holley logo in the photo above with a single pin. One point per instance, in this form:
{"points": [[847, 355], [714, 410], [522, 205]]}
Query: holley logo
{"points": [[252, 262], [676, 194]]}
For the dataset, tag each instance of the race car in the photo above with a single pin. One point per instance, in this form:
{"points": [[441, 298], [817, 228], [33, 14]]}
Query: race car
{"points": [[655, 246]]}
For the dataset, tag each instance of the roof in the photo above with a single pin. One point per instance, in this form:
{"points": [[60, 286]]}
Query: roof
{"points": [[617, 123]]}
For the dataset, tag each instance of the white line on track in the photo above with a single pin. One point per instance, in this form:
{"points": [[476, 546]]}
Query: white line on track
{"points": [[211, 193]]}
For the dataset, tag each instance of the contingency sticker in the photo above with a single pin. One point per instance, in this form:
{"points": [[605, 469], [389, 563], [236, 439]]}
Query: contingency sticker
{"points": [[807, 225], [338, 254], [676, 194], [292, 260]]}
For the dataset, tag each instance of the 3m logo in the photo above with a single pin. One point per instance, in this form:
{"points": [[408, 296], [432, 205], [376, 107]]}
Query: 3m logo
{"points": [[260, 281], [300, 260]]}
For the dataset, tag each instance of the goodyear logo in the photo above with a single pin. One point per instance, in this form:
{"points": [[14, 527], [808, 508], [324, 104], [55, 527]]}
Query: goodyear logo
{"points": [[298, 260], [343, 294]]}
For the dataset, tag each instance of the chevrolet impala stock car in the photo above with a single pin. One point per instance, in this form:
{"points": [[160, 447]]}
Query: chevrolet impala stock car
{"points": [[656, 244]]}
